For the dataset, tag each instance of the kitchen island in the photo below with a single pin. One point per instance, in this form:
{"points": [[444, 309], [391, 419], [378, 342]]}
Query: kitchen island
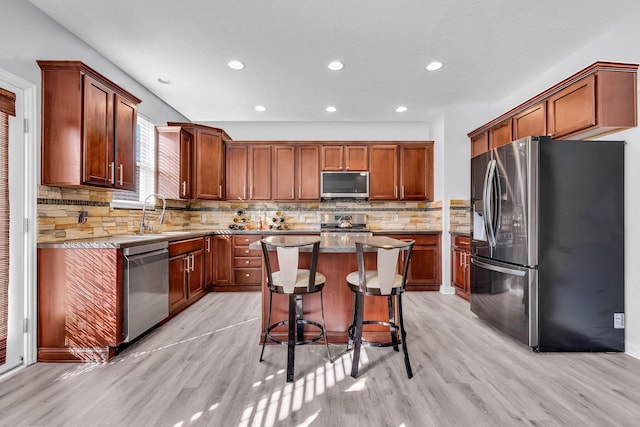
{"points": [[336, 260]]}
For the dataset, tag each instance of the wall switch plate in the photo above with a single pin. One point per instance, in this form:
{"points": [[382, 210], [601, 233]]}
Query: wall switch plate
{"points": [[253, 217], [300, 218], [618, 320], [203, 218], [395, 217]]}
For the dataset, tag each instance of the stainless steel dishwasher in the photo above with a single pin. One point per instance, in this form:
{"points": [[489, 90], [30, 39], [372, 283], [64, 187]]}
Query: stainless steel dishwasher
{"points": [[146, 288]]}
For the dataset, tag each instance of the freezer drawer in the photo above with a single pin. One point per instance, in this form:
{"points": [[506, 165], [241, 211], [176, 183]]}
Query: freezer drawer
{"points": [[505, 296]]}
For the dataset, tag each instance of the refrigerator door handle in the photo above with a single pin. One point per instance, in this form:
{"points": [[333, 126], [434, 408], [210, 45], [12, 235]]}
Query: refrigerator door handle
{"points": [[487, 208], [498, 268]]}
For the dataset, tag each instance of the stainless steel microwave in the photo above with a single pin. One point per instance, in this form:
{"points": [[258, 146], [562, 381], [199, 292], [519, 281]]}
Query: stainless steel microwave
{"points": [[344, 185]]}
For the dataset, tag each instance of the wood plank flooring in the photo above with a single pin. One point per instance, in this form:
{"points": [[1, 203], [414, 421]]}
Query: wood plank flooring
{"points": [[202, 369]]}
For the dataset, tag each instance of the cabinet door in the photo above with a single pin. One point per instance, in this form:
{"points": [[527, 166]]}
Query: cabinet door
{"points": [[177, 282], [208, 261], [208, 158], [260, 172], [479, 144], [458, 271], [332, 157], [186, 149], [308, 172], [97, 138], [531, 122], [126, 117], [223, 268], [237, 166], [383, 172], [424, 269], [283, 178], [356, 157], [168, 156], [196, 274], [500, 134], [573, 108], [416, 172]]}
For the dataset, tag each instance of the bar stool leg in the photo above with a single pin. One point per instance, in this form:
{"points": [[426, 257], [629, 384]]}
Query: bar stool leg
{"points": [[324, 328], [353, 322], [403, 334], [299, 326], [392, 321], [266, 331], [358, 334], [291, 344]]}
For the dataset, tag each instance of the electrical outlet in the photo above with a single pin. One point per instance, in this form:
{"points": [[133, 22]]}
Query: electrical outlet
{"points": [[203, 218], [395, 217], [301, 218], [253, 217]]}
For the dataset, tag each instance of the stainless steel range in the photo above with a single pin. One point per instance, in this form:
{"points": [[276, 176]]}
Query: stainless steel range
{"points": [[336, 224]]}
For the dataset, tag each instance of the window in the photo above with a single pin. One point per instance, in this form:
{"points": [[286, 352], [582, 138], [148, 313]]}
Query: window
{"points": [[145, 168]]}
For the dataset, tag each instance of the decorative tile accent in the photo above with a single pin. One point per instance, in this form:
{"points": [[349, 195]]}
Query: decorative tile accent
{"points": [[460, 216]]}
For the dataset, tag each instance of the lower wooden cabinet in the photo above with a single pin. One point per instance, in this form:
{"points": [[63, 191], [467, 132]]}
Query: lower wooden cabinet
{"points": [[424, 269], [80, 297], [186, 273], [235, 266], [461, 265]]}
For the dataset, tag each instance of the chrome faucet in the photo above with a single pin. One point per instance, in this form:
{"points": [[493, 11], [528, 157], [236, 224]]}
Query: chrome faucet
{"points": [[144, 226]]}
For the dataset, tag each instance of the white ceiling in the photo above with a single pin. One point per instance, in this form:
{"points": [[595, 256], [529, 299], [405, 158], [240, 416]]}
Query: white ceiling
{"points": [[488, 47]]}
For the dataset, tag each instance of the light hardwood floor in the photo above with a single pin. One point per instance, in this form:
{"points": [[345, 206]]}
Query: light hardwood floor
{"points": [[202, 369]]}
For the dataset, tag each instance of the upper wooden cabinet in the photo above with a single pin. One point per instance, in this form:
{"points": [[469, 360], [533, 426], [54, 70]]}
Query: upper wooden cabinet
{"points": [[345, 158], [500, 134], [308, 172], [479, 143], [401, 171], [173, 162], [383, 172], [248, 175], [206, 161], [416, 172], [531, 122], [88, 128], [599, 99]]}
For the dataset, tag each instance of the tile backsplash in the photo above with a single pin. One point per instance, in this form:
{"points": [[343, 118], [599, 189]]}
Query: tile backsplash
{"points": [[460, 216], [60, 207]]}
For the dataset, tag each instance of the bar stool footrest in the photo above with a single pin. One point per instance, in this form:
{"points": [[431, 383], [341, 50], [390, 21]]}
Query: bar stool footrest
{"points": [[351, 332], [298, 321]]}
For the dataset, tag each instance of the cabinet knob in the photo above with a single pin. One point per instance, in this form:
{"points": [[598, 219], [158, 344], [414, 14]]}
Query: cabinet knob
{"points": [[246, 262], [246, 251], [247, 274]]}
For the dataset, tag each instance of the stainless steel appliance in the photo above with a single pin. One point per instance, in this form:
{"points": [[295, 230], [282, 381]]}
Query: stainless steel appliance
{"points": [[548, 243], [336, 224], [344, 185], [146, 288]]}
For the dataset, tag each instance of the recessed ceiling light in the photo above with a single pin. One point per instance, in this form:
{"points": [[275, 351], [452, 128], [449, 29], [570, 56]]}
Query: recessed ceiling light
{"points": [[164, 80], [335, 65], [401, 109], [260, 108], [434, 65], [331, 109], [236, 65]]}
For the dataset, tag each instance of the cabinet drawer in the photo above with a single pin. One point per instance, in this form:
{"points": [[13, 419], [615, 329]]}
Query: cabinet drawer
{"points": [[244, 251], [463, 242], [184, 246], [245, 240], [248, 275], [247, 262], [421, 239]]}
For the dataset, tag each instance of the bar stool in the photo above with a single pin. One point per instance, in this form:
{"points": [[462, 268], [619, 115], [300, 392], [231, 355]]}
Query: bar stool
{"points": [[384, 281], [295, 282]]}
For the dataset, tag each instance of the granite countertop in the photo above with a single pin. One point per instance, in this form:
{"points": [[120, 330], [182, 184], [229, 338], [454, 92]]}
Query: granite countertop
{"points": [[460, 233], [130, 240]]}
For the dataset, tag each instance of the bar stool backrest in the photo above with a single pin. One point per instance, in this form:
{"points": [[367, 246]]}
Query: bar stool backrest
{"points": [[288, 255], [387, 265]]}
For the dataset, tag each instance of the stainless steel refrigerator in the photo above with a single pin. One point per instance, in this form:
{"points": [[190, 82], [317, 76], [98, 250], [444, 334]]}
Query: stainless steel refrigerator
{"points": [[547, 264]]}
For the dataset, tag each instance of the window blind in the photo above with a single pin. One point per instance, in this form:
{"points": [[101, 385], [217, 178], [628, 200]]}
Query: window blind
{"points": [[145, 163], [7, 107]]}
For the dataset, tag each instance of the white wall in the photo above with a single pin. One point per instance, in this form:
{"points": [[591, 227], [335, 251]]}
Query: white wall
{"points": [[27, 34]]}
